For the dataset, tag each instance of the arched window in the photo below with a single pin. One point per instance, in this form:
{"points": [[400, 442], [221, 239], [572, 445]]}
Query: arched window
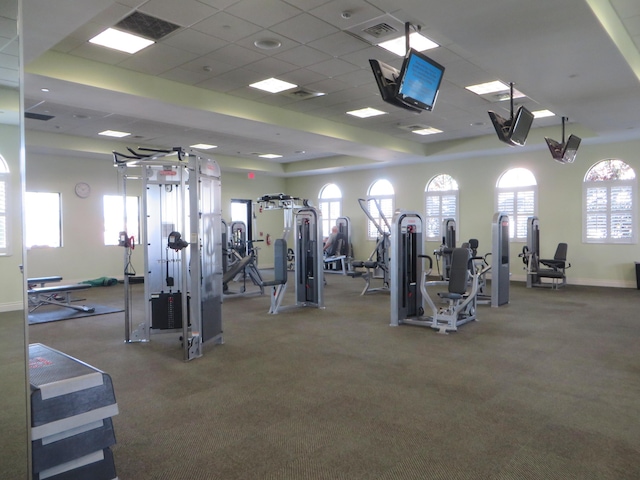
{"points": [[609, 199], [381, 196], [441, 201], [4, 207], [517, 196], [330, 202]]}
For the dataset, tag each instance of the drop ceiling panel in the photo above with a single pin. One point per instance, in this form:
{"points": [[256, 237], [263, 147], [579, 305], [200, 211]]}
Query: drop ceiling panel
{"points": [[226, 27], [338, 44], [303, 56], [358, 12], [304, 28], [269, 13], [157, 59], [184, 13], [193, 41]]}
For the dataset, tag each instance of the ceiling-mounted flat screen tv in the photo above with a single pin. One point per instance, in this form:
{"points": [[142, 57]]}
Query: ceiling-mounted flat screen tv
{"points": [[564, 153], [415, 87], [514, 131]]}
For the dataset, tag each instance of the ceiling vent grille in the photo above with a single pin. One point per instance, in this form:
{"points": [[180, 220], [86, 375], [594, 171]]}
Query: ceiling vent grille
{"points": [[38, 116], [146, 26], [413, 127], [302, 94], [379, 29]]}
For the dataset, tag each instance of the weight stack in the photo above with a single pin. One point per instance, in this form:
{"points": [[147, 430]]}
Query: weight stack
{"points": [[72, 405]]}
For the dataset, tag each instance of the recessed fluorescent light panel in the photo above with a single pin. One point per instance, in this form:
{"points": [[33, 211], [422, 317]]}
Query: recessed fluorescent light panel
{"points": [[203, 146], [273, 85], [114, 133], [543, 113], [416, 41], [270, 155], [426, 131], [366, 112], [489, 87], [122, 41]]}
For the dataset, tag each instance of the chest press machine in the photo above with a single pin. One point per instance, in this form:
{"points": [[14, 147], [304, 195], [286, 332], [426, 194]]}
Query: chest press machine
{"points": [[410, 292]]}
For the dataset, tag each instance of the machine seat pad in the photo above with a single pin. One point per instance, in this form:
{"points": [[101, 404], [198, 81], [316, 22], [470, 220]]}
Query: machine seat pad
{"points": [[370, 264], [550, 273], [450, 295]]}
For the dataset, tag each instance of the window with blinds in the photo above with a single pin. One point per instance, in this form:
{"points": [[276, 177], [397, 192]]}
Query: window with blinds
{"points": [[609, 193], [441, 201], [517, 197], [380, 207], [330, 205]]}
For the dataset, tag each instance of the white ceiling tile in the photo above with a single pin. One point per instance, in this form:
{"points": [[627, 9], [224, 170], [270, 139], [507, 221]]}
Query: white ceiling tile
{"points": [[157, 59], [338, 44], [193, 41], [303, 56], [304, 28], [226, 27], [236, 55], [358, 12], [333, 67], [269, 13], [100, 54], [232, 80], [184, 13], [271, 67]]}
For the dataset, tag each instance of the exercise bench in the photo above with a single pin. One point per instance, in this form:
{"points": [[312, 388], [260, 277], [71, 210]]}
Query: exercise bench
{"points": [[59, 295], [35, 281]]}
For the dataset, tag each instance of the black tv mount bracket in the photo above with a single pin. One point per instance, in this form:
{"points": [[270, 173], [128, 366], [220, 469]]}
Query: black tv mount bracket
{"points": [[407, 27], [563, 120], [511, 99]]}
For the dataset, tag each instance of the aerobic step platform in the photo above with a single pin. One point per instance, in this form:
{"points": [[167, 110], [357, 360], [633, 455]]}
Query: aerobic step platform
{"points": [[71, 408]]}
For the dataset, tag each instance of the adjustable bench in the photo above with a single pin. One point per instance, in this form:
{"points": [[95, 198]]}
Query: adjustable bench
{"points": [[33, 282], [59, 295]]}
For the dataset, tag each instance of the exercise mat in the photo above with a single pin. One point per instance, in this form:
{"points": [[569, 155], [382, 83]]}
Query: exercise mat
{"points": [[56, 314]]}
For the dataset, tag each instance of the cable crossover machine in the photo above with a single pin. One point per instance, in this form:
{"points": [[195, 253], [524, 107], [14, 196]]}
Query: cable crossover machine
{"points": [[180, 231]]}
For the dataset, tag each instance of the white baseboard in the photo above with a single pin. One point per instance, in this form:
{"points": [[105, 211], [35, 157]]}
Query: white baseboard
{"points": [[11, 307]]}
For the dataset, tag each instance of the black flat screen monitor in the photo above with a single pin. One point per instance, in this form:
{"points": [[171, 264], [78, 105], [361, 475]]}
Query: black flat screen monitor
{"points": [[513, 131], [419, 81], [387, 80], [564, 153], [521, 126]]}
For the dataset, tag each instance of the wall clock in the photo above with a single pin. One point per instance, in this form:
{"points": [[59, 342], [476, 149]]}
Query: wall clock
{"points": [[83, 190]]}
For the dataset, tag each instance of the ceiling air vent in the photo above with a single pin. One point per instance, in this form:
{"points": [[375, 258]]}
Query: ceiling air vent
{"points": [[38, 116], [378, 29], [146, 26], [302, 94]]}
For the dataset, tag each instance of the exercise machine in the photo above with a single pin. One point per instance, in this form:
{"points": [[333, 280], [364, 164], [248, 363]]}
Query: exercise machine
{"points": [[377, 265], [443, 254], [500, 260], [338, 256], [180, 195], [303, 220], [411, 291], [241, 263], [538, 268]]}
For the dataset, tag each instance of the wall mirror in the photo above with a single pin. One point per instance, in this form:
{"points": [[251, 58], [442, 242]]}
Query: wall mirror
{"points": [[14, 451]]}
